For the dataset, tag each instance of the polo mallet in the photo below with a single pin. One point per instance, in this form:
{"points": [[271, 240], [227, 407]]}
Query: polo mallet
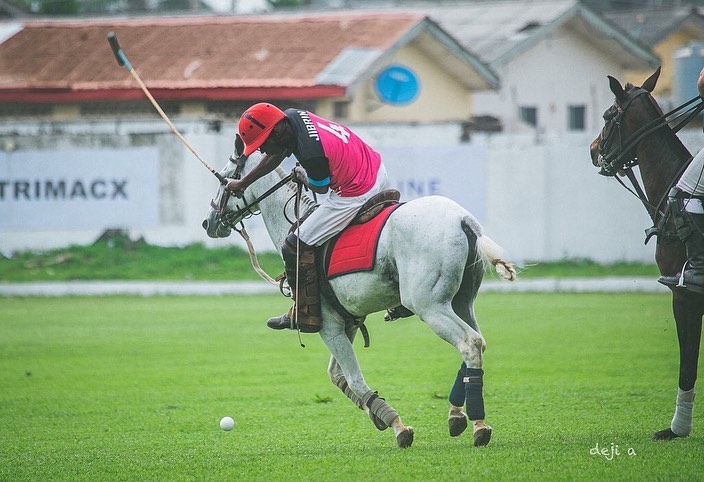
{"points": [[122, 60]]}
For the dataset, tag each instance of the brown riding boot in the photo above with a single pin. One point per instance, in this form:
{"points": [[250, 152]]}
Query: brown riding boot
{"points": [[282, 322], [306, 315]]}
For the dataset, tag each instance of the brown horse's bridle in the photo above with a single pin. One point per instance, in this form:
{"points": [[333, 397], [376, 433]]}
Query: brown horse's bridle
{"points": [[621, 157], [617, 154]]}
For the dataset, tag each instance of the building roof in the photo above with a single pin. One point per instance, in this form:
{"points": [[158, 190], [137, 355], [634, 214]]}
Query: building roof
{"points": [[498, 31], [651, 26], [221, 58]]}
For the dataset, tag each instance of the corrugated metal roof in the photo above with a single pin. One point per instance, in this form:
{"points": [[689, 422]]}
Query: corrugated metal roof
{"points": [[651, 26], [8, 29], [497, 31], [494, 28], [312, 52], [348, 66]]}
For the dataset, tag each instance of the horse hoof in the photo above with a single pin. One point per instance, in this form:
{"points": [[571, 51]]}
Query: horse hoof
{"points": [[482, 436], [405, 438], [457, 424], [666, 434]]}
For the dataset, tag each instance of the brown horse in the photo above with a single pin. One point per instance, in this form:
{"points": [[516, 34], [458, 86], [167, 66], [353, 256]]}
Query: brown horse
{"points": [[637, 133]]}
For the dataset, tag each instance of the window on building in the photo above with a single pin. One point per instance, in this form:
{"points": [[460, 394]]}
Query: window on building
{"points": [[529, 115], [340, 110], [10, 110], [575, 117]]}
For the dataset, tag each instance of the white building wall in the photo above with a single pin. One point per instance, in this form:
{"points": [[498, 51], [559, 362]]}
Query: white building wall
{"points": [[570, 72], [538, 196]]}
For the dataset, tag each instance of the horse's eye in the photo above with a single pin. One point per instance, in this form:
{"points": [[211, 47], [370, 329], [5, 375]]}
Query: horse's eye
{"points": [[609, 114]]}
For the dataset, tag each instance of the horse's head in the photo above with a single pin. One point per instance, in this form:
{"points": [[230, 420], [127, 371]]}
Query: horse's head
{"points": [[227, 211], [632, 109]]}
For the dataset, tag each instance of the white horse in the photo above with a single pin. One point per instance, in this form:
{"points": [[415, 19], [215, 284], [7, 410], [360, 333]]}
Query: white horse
{"points": [[431, 258]]}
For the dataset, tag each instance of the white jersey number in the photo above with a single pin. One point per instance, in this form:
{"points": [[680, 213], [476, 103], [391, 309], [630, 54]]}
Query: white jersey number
{"points": [[336, 130]]}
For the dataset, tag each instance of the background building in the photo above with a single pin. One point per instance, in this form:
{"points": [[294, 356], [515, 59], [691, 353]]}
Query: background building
{"points": [[82, 150]]}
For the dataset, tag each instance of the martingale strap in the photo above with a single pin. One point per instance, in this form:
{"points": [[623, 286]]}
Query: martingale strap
{"points": [[654, 210]]}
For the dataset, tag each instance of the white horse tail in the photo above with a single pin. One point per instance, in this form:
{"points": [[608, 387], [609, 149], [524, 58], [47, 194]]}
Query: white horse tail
{"points": [[489, 252]]}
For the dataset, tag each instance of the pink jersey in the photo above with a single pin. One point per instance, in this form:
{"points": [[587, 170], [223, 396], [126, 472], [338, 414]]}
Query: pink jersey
{"points": [[353, 164]]}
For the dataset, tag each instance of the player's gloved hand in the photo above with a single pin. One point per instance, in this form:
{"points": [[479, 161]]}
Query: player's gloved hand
{"points": [[236, 187], [300, 175]]}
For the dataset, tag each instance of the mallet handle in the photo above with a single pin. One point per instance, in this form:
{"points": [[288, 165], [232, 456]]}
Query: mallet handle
{"points": [[122, 60]]}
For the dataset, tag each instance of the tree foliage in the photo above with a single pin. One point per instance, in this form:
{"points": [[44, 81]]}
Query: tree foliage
{"points": [[59, 7], [284, 3]]}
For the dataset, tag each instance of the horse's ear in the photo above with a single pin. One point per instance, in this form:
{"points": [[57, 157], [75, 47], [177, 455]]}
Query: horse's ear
{"points": [[239, 146], [650, 82], [616, 88]]}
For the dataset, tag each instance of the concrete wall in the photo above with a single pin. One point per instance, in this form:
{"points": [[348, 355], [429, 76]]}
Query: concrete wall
{"points": [[539, 197]]}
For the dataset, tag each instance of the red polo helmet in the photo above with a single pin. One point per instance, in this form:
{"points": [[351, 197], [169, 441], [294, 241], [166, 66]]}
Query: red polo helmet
{"points": [[256, 124]]}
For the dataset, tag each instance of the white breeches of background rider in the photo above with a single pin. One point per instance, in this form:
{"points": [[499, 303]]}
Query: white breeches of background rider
{"points": [[692, 180], [336, 212]]}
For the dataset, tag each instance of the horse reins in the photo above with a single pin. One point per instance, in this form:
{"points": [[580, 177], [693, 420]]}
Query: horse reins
{"points": [[247, 210], [622, 158], [618, 159]]}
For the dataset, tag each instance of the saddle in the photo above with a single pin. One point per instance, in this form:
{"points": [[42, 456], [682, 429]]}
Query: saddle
{"points": [[375, 205], [366, 213], [378, 204]]}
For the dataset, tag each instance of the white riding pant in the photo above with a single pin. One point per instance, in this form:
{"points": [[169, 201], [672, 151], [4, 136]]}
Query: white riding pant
{"points": [[336, 212], [692, 180]]}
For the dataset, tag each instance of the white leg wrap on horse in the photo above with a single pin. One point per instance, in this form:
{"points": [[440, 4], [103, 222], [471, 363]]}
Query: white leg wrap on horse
{"points": [[380, 408], [682, 421], [341, 383]]}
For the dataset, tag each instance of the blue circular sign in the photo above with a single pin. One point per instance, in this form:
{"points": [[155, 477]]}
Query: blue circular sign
{"points": [[397, 85]]}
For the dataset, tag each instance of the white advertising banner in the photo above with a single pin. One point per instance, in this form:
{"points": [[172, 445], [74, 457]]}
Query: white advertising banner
{"points": [[457, 172], [79, 189]]}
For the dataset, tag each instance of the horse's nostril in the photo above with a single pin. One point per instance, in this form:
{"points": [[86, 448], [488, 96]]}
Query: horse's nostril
{"points": [[205, 224]]}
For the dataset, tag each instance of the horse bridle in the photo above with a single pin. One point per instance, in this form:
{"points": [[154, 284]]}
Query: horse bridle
{"points": [[622, 158], [227, 218]]}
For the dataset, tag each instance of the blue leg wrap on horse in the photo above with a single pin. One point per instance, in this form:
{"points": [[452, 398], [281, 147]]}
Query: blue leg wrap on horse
{"points": [[473, 383], [457, 392]]}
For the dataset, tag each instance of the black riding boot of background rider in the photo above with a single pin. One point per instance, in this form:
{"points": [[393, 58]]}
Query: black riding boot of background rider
{"points": [[306, 315], [688, 215]]}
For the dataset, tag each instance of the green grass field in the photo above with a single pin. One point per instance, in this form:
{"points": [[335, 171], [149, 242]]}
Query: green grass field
{"points": [[123, 259], [123, 388]]}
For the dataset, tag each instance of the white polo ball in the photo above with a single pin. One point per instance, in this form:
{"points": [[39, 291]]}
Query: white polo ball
{"points": [[227, 423]]}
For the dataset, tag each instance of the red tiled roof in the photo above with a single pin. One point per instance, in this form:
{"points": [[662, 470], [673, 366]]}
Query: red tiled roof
{"points": [[179, 58]]}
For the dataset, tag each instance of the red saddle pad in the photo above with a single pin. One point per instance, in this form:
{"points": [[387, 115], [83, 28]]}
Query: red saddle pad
{"points": [[355, 248]]}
